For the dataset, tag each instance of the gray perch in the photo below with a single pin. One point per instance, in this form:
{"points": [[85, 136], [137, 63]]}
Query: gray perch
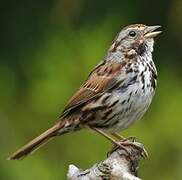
{"points": [[118, 166]]}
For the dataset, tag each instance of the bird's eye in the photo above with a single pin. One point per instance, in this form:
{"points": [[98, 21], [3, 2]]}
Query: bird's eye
{"points": [[132, 33]]}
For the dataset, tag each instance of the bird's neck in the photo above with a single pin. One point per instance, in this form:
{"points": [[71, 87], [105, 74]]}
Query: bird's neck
{"points": [[118, 53], [116, 56]]}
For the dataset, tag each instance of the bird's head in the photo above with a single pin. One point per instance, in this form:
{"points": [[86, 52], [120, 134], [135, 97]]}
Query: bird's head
{"points": [[138, 37]]}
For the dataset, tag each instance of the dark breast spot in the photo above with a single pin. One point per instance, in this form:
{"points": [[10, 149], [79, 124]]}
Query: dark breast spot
{"points": [[129, 70], [106, 114], [141, 49], [143, 79], [113, 104], [123, 102], [153, 82], [125, 86], [153, 76], [104, 100], [133, 80]]}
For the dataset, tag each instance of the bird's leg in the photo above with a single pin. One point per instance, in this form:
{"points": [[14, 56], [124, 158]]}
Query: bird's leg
{"points": [[110, 138], [122, 142], [121, 138], [118, 136], [115, 142]]}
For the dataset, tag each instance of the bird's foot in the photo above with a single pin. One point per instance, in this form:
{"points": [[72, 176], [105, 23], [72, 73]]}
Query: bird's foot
{"points": [[125, 143], [130, 139]]}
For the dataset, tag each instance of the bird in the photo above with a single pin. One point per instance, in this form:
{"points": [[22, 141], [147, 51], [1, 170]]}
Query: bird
{"points": [[116, 93]]}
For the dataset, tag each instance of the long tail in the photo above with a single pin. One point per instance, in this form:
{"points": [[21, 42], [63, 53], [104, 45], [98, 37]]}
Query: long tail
{"points": [[38, 141]]}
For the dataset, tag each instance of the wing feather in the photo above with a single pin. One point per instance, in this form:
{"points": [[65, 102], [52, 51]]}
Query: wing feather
{"points": [[100, 80]]}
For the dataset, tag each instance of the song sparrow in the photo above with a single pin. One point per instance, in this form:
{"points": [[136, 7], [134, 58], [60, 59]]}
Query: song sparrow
{"points": [[116, 93]]}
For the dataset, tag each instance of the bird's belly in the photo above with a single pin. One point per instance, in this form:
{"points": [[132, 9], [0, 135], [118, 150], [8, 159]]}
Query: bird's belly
{"points": [[131, 106]]}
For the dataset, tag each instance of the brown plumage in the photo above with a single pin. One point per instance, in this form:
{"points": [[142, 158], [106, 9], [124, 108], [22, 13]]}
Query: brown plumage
{"points": [[97, 83], [102, 78], [117, 92], [37, 142]]}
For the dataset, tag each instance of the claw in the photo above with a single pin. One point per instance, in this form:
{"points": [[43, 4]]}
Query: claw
{"points": [[144, 152], [116, 146], [138, 146], [124, 143]]}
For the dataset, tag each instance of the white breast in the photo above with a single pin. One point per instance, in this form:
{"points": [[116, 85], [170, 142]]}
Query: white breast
{"points": [[133, 101]]}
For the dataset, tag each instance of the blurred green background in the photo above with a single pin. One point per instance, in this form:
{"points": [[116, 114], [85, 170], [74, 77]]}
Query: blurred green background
{"points": [[47, 49]]}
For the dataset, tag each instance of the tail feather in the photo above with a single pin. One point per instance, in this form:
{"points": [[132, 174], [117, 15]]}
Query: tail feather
{"points": [[37, 142]]}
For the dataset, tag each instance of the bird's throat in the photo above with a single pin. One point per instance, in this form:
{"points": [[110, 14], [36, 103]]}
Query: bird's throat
{"points": [[141, 49]]}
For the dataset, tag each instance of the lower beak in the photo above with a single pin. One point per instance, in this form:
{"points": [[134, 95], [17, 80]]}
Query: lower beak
{"points": [[150, 31]]}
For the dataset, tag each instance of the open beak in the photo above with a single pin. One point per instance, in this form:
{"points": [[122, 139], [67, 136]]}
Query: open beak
{"points": [[150, 31]]}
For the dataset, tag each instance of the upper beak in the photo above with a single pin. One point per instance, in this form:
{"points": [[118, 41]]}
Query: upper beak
{"points": [[150, 31]]}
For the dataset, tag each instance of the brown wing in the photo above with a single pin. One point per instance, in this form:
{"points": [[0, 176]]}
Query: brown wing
{"points": [[101, 79]]}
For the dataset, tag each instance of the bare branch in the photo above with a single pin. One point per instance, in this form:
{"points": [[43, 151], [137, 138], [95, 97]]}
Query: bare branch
{"points": [[118, 166]]}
